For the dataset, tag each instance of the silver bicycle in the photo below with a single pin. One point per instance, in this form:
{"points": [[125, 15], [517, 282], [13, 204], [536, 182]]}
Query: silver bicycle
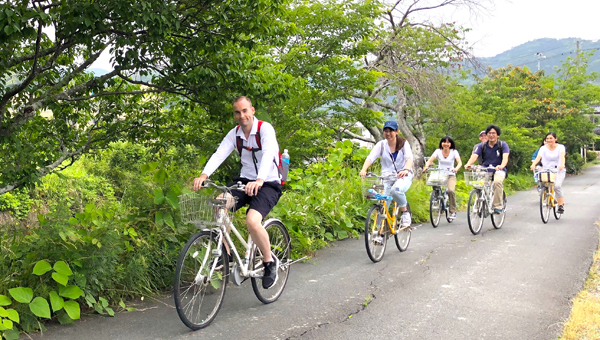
{"points": [[481, 198], [203, 267]]}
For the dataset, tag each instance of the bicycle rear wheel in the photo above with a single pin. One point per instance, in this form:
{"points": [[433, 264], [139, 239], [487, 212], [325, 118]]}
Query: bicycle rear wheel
{"points": [[435, 209], [375, 240], [280, 247], [557, 215], [498, 219], [402, 236], [545, 205], [475, 212], [198, 296]]}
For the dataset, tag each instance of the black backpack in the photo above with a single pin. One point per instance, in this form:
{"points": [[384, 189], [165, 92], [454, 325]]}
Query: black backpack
{"points": [[239, 143]]}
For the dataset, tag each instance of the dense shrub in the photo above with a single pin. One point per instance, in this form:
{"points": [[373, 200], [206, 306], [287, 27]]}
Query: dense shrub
{"points": [[591, 156]]}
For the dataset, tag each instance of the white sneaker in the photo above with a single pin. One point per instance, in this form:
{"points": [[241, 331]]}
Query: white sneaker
{"points": [[405, 220], [453, 215]]}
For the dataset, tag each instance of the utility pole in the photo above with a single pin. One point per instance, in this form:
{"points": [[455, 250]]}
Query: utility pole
{"points": [[540, 56]]}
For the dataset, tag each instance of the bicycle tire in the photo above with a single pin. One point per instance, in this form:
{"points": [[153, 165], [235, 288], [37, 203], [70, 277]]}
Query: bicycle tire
{"points": [[498, 219], [475, 214], [402, 237], [557, 215], [280, 247], [191, 297], [545, 205], [373, 224], [435, 215]]}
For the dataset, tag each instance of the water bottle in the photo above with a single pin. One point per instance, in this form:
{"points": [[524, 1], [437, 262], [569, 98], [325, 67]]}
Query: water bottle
{"points": [[285, 159]]}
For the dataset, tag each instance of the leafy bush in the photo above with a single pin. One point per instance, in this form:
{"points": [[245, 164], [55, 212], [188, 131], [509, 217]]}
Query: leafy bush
{"points": [[591, 156], [17, 202], [574, 163]]}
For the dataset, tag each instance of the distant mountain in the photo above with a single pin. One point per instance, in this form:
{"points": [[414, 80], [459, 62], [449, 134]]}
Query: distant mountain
{"points": [[554, 50]]}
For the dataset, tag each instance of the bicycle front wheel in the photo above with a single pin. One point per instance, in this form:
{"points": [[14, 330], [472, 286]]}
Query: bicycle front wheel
{"points": [[475, 212], [435, 209], [498, 219], [376, 233], [545, 205], [402, 236], [280, 247], [198, 289]]}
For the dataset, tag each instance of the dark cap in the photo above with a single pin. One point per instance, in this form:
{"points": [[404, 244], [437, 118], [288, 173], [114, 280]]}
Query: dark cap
{"points": [[391, 124]]}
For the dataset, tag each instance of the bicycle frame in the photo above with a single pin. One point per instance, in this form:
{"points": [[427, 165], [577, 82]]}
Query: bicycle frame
{"points": [[439, 195], [391, 219], [249, 246]]}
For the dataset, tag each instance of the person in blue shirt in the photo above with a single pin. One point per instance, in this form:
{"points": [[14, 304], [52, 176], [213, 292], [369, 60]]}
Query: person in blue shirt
{"points": [[495, 153]]}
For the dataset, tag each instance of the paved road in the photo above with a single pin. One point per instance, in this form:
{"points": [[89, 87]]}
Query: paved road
{"points": [[512, 283]]}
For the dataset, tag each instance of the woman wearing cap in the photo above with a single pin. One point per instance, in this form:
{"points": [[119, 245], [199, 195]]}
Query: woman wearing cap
{"points": [[446, 154], [552, 156], [396, 159]]}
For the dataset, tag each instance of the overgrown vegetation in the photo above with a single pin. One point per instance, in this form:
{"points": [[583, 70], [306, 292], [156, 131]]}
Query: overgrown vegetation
{"points": [[584, 320]]}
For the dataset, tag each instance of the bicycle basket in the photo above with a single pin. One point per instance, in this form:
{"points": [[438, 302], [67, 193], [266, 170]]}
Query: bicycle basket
{"points": [[202, 208], [547, 177], [478, 179], [437, 178], [374, 183]]}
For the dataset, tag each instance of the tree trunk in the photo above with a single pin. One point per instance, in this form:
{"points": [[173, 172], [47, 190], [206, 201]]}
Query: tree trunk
{"points": [[416, 140]]}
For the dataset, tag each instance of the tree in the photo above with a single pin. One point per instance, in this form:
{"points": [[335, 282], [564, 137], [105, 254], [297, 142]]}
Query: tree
{"points": [[199, 50], [412, 57]]}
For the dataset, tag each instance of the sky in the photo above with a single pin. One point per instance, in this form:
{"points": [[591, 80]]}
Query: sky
{"points": [[511, 23]]}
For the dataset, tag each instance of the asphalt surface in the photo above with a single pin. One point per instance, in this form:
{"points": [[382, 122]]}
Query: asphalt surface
{"points": [[513, 283]]}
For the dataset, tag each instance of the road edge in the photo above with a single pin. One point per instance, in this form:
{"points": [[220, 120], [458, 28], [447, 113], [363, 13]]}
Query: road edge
{"points": [[584, 319]]}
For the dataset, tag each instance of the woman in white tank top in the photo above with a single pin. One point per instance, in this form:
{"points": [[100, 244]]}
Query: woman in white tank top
{"points": [[446, 154]]}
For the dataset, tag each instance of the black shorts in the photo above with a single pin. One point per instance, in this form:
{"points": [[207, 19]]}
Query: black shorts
{"points": [[267, 197]]}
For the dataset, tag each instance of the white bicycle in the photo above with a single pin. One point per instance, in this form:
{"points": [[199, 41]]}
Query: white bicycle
{"points": [[203, 267]]}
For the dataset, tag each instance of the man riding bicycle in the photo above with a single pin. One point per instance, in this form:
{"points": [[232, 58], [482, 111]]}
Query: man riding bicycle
{"points": [[259, 174], [493, 153]]}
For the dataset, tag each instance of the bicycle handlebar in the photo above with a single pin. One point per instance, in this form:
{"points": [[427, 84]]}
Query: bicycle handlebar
{"points": [[438, 168], [237, 186], [388, 177], [481, 167], [545, 170]]}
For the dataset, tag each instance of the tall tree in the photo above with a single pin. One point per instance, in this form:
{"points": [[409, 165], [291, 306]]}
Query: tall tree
{"points": [[200, 50], [412, 57]]}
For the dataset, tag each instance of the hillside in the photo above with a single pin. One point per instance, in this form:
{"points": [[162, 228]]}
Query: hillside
{"points": [[555, 50]]}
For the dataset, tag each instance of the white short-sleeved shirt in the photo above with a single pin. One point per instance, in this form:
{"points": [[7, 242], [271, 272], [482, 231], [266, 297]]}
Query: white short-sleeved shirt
{"points": [[388, 165], [267, 169], [446, 162], [551, 159]]}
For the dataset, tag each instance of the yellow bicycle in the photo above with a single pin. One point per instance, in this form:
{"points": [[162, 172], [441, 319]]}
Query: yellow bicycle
{"points": [[382, 221], [547, 196]]}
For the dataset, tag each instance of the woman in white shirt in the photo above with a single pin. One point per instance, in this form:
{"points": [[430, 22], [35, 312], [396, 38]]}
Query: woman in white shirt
{"points": [[552, 156], [396, 159], [446, 154]]}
